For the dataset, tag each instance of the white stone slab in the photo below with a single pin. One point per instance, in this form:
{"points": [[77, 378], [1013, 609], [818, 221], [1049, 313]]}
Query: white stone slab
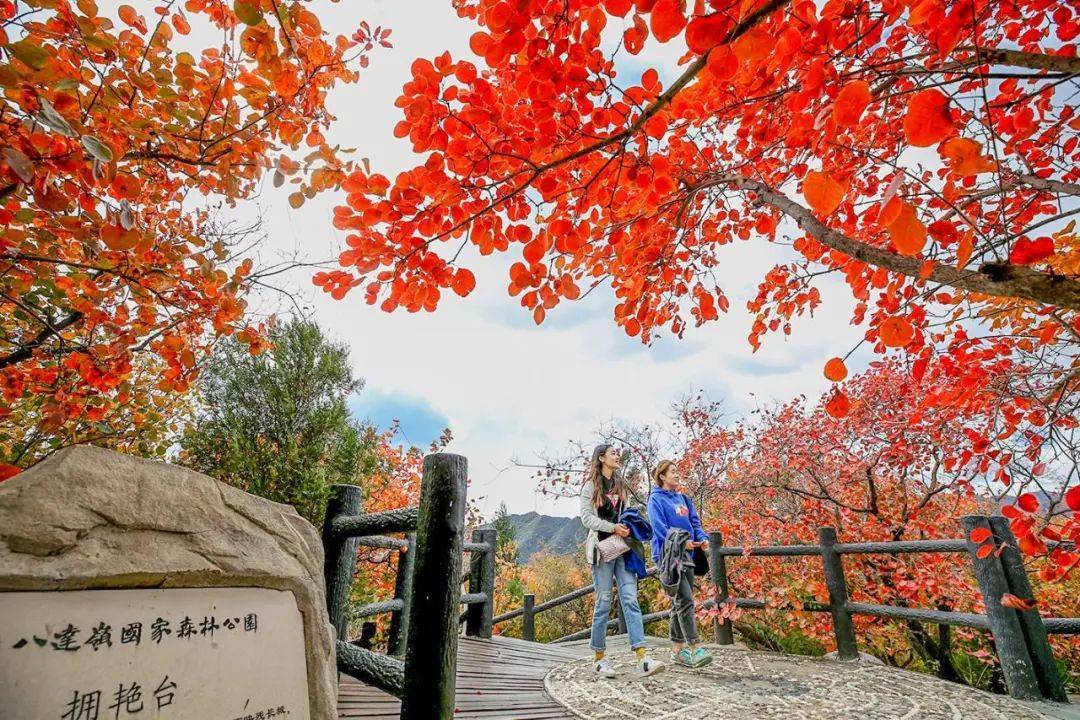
{"points": [[239, 655]]}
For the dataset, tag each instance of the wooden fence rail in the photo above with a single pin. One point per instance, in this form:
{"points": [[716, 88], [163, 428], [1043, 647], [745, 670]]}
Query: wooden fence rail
{"points": [[421, 665], [1019, 637]]}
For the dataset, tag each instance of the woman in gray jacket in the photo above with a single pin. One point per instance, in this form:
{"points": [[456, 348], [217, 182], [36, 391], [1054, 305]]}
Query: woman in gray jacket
{"points": [[603, 498]]}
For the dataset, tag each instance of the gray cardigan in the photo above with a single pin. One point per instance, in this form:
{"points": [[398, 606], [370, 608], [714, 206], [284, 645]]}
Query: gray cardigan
{"points": [[673, 557], [593, 523]]}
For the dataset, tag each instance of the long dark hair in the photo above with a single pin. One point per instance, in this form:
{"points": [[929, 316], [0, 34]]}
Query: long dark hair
{"points": [[593, 475]]}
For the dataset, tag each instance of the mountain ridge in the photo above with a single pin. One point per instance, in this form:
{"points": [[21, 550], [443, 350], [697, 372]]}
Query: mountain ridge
{"points": [[534, 532]]}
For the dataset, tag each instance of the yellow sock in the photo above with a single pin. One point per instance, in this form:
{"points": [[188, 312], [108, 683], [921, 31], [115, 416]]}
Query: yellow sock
{"points": [[599, 654], [640, 652]]}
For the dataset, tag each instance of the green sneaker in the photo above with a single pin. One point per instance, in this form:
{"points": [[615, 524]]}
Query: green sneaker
{"points": [[700, 658], [683, 658]]}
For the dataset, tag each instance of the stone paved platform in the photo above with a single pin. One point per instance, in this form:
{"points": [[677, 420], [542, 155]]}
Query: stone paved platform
{"points": [[744, 684]]}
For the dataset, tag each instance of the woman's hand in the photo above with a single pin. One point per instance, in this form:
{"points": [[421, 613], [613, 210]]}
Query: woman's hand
{"points": [[622, 531]]}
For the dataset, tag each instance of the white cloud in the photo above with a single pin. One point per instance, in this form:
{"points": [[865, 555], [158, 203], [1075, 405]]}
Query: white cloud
{"points": [[510, 389]]}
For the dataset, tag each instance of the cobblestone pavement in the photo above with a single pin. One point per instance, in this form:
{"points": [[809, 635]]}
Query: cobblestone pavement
{"points": [[744, 684]]}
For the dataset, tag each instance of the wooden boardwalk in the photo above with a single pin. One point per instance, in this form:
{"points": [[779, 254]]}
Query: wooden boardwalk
{"points": [[497, 679]]}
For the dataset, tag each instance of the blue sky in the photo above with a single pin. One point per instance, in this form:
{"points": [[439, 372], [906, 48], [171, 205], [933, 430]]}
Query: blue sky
{"points": [[419, 422]]}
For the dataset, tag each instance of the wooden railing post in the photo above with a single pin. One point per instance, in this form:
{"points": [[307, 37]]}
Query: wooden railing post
{"points": [[846, 646], [432, 639], [1046, 671], [482, 580], [340, 556], [528, 619], [718, 569], [1012, 650], [399, 619]]}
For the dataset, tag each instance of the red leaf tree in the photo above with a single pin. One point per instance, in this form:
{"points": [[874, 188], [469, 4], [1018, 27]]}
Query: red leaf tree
{"points": [[887, 470], [923, 152]]}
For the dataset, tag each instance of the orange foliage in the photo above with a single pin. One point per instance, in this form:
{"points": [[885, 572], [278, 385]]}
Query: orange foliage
{"points": [[835, 370], [108, 133], [822, 192], [395, 483], [927, 120]]}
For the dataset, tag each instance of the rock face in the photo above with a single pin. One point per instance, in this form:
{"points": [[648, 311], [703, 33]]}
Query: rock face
{"points": [[88, 518]]}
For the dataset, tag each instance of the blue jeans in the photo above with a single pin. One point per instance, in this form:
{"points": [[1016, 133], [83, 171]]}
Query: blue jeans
{"points": [[603, 575]]}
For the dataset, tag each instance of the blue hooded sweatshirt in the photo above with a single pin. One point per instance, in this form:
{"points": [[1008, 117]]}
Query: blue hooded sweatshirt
{"points": [[668, 509], [640, 531]]}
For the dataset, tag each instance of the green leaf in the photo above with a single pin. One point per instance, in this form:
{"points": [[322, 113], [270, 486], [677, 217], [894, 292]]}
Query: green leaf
{"points": [[249, 14], [97, 149], [50, 118], [29, 53], [9, 76], [19, 163], [101, 42], [127, 217]]}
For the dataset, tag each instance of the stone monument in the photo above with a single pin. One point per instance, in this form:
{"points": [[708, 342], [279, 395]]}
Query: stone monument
{"points": [[137, 589]]}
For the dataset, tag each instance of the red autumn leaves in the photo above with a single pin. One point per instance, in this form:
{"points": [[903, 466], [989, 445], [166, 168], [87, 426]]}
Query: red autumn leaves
{"points": [[667, 19], [110, 130], [835, 370], [822, 192], [1028, 252], [850, 103], [838, 405], [894, 332], [905, 229], [965, 157], [1033, 541], [464, 282], [927, 120], [706, 32]]}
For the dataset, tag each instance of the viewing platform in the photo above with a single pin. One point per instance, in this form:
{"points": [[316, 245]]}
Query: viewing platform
{"points": [[510, 679], [444, 660]]}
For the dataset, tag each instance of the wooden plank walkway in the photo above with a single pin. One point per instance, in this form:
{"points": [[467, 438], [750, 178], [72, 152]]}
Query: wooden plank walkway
{"points": [[497, 679]]}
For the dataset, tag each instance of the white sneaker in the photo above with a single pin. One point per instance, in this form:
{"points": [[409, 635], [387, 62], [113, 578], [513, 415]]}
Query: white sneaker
{"points": [[648, 666], [604, 668]]}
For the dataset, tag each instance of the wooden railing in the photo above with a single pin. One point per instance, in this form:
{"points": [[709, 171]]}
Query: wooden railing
{"points": [[1019, 636], [424, 627]]}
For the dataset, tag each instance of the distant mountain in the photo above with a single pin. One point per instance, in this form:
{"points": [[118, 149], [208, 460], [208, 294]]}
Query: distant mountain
{"points": [[558, 535]]}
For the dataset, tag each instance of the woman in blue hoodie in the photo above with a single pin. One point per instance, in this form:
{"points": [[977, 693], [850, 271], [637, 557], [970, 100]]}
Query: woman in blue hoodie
{"points": [[671, 510]]}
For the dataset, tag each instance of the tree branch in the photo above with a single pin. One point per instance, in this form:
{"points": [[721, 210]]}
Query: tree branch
{"points": [[172, 157], [662, 101], [1062, 188], [997, 279], [25, 351], [1032, 61]]}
